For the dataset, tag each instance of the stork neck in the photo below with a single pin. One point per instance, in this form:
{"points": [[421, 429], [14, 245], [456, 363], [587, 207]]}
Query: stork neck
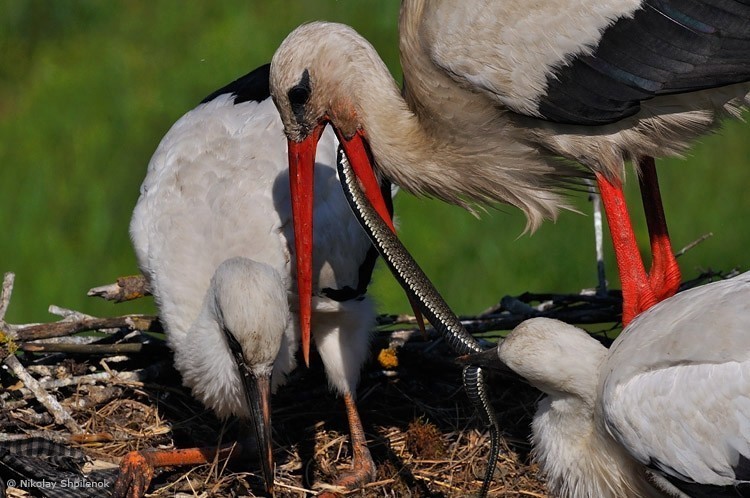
{"points": [[441, 141]]}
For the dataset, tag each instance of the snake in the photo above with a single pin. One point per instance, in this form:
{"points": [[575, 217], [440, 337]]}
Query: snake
{"points": [[421, 291]]}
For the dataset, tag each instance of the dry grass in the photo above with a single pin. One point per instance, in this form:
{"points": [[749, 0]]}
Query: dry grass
{"points": [[422, 433]]}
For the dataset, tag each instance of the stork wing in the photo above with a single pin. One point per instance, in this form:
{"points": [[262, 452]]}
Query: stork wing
{"points": [[676, 386], [689, 422], [588, 62]]}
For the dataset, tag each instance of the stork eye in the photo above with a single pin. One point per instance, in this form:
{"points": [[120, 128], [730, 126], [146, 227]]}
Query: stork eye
{"points": [[300, 92], [298, 96]]}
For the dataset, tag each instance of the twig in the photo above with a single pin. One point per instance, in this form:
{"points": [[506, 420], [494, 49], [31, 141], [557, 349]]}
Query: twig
{"points": [[693, 244], [8, 279], [94, 349], [68, 327], [125, 289], [136, 377], [66, 313], [386, 320], [139, 375], [62, 417], [113, 376], [293, 488], [58, 437]]}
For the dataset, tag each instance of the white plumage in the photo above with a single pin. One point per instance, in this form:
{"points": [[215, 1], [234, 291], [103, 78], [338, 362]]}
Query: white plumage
{"points": [[213, 235], [249, 300], [496, 93], [504, 50], [664, 411], [217, 188]]}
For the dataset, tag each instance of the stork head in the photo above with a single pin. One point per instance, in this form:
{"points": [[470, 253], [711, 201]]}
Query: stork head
{"points": [[557, 358], [314, 82], [250, 305]]}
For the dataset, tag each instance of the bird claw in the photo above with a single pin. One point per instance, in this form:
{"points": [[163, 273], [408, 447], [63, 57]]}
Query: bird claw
{"points": [[135, 476], [362, 474], [333, 492]]}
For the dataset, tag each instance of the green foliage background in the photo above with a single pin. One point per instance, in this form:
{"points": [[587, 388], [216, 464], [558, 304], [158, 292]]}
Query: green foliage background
{"points": [[88, 88]]}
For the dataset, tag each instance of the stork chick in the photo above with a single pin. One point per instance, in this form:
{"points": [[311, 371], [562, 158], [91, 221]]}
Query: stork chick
{"points": [[664, 412], [213, 234]]}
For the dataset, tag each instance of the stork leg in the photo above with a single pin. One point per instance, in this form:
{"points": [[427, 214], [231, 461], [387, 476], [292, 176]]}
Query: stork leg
{"points": [[637, 294], [363, 467], [137, 467], [664, 275]]}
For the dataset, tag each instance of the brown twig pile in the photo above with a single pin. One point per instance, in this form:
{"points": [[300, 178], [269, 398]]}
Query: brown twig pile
{"points": [[116, 391]]}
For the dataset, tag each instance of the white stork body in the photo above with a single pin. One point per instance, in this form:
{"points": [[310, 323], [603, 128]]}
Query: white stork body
{"points": [[599, 82], [217, 189], [665, 411], [496, 92]]}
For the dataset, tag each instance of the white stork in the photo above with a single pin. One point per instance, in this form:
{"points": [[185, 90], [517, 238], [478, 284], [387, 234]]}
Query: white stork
{"points": [[497, 92], [664, 412], [213, 235]]}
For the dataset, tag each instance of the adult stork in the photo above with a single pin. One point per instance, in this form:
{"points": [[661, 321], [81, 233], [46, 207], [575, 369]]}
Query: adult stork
{"points": [[497, 93], [664, 412], [213, 236]]}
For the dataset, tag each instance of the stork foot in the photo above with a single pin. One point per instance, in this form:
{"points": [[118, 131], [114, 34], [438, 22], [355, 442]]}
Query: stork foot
{"points": [[137, 467], [640, 290], [136, 472], [363, 471], [363, 467]]}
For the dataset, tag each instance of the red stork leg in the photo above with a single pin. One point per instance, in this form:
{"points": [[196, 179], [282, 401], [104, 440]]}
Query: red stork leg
{"points": [[664, 275], [363, 467], [137, 467], [637, 295]]}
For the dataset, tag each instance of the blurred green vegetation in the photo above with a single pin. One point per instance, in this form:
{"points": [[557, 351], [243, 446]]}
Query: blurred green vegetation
{"points": [[88, 88]]}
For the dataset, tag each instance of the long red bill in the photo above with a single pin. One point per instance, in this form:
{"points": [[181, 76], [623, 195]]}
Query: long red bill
{"points": [[301, 174]]}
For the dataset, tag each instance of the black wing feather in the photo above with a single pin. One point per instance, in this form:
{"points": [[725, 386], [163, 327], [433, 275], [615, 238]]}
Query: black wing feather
{"points": [[667, 47], [254, 86]]}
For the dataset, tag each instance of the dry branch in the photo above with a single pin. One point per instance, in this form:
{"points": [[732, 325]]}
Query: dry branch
{"points": [[7, 290], [109, 377], [694, 243], [94, 349], [125, 289], [62, 417], [68, 327]]}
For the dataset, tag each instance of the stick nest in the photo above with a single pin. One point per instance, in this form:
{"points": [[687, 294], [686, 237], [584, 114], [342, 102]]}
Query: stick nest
{"points": [[116, 391]]}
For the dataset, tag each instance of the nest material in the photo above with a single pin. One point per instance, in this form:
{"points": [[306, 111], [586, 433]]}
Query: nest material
{"points": [[422, 433], [118, 393]]}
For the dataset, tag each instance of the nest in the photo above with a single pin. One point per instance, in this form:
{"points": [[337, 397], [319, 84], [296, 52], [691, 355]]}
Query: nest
{"points": [[116, 392], [421, 430]]}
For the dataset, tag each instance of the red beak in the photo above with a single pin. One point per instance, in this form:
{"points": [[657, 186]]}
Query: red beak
{"points": [[301, 173]]}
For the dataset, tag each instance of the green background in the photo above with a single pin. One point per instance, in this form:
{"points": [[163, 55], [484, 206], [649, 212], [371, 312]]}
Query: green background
{"points": [[88, 88]]}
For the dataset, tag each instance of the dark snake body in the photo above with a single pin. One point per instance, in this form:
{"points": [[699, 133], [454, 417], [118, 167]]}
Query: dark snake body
{"points": [[420, 290]]}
